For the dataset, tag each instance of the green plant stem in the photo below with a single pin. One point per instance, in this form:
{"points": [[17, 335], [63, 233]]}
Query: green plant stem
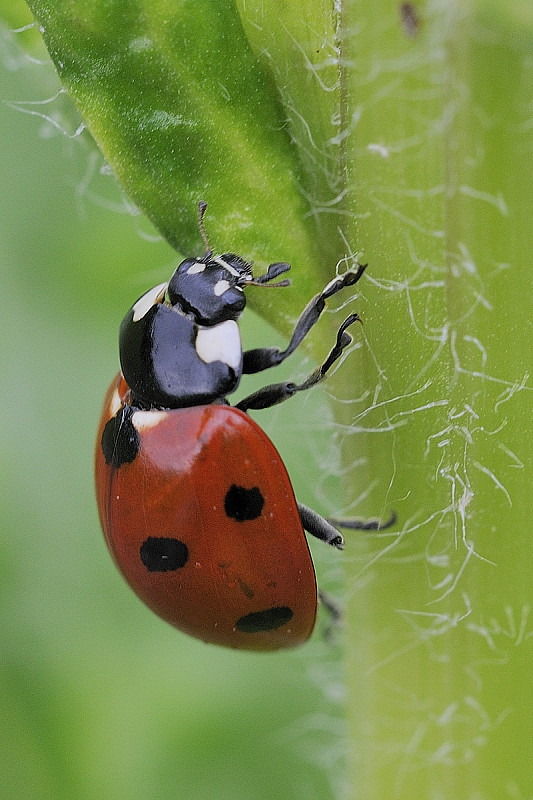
{"points": [[439, 622]]}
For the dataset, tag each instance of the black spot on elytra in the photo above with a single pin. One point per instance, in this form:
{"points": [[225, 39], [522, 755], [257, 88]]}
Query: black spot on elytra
{"points": [[161, 554], [267, 620], [243, 504], [120, 439]]}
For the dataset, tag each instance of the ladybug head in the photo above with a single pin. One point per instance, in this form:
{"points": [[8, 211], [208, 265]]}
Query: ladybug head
{"points": [[210, 288]]}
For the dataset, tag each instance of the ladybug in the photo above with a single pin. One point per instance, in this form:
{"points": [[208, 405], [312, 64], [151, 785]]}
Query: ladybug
{"points": [[195, 503]]}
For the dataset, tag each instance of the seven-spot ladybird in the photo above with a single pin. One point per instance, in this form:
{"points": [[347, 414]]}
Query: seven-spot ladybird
{"points": [[196, 505]]}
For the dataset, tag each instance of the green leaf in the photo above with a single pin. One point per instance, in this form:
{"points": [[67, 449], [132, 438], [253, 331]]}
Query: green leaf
{"points": [[184, 111]]}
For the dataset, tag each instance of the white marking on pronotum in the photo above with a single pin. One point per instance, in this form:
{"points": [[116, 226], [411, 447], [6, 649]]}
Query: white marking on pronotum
{"points": [[232, 270], [116, 403], [220, 287], [142, 420], [145, 303], [194, 269], [220, 342]]}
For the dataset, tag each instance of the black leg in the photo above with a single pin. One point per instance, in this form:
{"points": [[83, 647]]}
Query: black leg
{"points": [[334, 612], [276, 393], [317, 526], [359, 524], [265, 357]]}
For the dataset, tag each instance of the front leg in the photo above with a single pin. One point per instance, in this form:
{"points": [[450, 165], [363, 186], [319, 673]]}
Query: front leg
{"points": [[266, 357], [278, 392]]}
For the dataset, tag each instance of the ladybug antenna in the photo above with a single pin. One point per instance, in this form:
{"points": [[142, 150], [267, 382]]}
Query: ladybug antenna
{"points": [[202, 205], [278, 268]]}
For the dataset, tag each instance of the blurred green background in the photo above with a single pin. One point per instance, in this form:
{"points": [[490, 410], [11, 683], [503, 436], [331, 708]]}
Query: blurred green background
{"points": [[98, 697], [437, 412]]}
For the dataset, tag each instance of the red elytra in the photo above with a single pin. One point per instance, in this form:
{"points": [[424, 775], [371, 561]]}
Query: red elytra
{"points": [[204, 525]]}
